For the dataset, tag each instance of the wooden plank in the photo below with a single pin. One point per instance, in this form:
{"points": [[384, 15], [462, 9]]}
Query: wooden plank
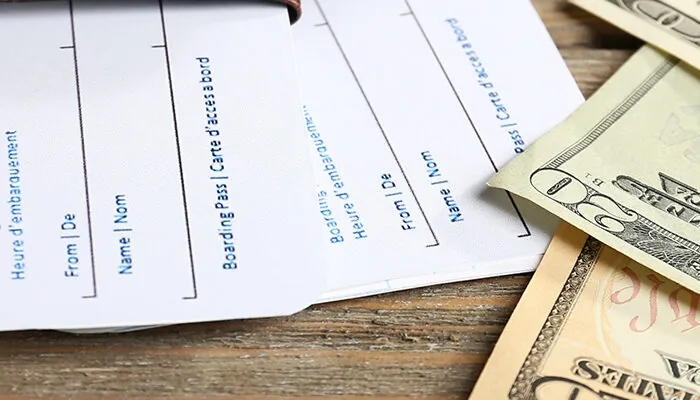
{"points": [[592, 67]]}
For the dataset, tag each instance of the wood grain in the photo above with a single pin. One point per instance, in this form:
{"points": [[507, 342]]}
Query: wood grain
{"points": [[425, 344]]}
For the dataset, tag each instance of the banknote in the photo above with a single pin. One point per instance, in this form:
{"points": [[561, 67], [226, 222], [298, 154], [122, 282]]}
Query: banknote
{"points": [[594, 324], [672, 25], [625, 166]]}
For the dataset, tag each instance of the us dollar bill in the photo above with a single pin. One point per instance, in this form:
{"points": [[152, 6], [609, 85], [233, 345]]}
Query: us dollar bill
{"points": [[672, 25], [625, 167], [594, 324]]}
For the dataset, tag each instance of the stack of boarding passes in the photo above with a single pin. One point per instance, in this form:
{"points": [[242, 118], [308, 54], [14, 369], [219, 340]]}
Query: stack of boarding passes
{"points": [[172, 162]]}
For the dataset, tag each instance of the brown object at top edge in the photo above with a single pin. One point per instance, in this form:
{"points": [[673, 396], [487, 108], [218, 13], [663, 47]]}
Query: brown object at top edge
{"points": [[294, 7]]}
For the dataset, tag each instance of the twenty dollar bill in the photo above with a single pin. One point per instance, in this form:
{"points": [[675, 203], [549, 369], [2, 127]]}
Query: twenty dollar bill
{"points": [[673, 25], [594, 324], [625, 167]]}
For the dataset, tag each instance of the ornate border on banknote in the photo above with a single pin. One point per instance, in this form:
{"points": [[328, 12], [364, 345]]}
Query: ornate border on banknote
{"points": [[664, 16], [528, 374], [629, 226], [613, 116]]}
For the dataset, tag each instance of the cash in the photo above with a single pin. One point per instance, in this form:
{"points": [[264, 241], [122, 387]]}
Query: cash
{"points": [[624, 167], [672, 25], [594, 324]]}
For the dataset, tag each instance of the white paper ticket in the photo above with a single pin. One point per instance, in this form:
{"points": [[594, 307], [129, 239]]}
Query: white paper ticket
{"points": [[155, 168], [410, 106]]}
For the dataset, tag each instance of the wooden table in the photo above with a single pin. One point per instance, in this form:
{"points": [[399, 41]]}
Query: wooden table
{"points": [[426, 344]]}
